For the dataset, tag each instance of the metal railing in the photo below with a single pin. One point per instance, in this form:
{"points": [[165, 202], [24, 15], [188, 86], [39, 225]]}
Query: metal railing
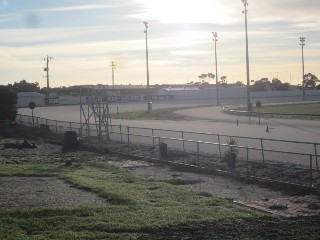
{"points": [[271, 159]]}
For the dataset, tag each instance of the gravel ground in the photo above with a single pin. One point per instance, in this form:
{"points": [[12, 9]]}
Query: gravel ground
{"points": [[27, 192], [230, 188], [30, 192]]}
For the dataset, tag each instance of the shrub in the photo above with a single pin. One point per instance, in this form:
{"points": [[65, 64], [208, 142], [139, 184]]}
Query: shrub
{"points": [[163, 150], [70, 141], [8, 104], [230, 156]]}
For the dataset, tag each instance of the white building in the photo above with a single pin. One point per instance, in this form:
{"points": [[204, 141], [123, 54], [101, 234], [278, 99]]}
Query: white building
{"points": [[25, 97]]}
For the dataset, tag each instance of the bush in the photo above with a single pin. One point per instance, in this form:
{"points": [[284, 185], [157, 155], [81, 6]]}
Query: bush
{"points": [[163, 150], [230, 156], [8, 104], [70, 141]]}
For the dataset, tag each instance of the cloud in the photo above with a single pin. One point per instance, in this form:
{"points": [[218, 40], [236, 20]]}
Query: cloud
{"points": [[74, 8], [4, 4], [6, 18], [187, 11]]}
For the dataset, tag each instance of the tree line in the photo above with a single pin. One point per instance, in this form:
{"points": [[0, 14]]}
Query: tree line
{"points": [[310, 82]]}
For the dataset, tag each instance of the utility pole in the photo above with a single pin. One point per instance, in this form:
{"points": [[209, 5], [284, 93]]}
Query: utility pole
{"points": [[46, 69], [215, 35], [245, 11], [113, 67], [302, 40], [147, 60]]}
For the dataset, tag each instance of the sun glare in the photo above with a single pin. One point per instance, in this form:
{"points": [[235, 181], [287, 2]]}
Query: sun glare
{"points": [[185, 11]]}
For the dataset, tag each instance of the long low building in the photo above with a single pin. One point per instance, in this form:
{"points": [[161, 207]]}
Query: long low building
{"points": [[139, 94], [24, 98]]}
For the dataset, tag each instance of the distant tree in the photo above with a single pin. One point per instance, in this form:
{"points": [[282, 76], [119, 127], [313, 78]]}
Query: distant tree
{"points": [[261, 85], [310, 80], [223, 81], [239, 83], [203, 78], [211, 75], [277, 85], [8, 104], [24, 86], [265, 85]]}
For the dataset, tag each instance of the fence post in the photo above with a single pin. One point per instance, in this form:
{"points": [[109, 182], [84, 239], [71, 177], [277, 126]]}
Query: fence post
{"points": [[219, 146], [70, 126], [198, 153], [152, 137], [128, 135], [120, 132], [248, 163], [160, 158], [47, 122], [56, 127], [182, 137], [316, 153], [89, 131], [310, 183], [262, 150], [37, 121]]}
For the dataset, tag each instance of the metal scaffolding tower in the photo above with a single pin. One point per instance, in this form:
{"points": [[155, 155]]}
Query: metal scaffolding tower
{"points": [[94, 113]]}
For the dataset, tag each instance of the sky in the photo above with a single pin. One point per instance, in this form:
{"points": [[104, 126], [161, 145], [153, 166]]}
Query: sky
{"points": [[83, 38]]}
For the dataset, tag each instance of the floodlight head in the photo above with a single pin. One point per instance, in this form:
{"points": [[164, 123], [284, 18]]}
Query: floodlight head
{"points": [[146, 24], [245, 3]]}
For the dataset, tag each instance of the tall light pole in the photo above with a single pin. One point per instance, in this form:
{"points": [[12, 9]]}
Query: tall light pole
{"points": [[215, 35], [302, 40], [113, 67], [245, 11], [147, 60], [46, 69]]}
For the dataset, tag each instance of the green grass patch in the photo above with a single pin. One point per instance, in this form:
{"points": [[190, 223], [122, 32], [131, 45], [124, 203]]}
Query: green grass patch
{"points": [[308, 108], [158, 114], [136, 205], [296, 111]]}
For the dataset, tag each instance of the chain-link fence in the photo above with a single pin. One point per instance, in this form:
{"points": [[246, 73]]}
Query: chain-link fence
{"points": [[276, 160]]}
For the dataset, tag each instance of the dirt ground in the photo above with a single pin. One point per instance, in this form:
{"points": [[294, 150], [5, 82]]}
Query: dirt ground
{"points": [[49, 191], [26, 192]]}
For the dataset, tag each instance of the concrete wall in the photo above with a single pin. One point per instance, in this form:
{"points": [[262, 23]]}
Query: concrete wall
{"points": [[236, 93]]}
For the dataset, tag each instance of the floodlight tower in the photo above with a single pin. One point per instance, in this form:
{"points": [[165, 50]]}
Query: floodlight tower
{"points": [[113, 67], [147, 60], [215, 35], [46, 69], [302, 40], [245, 11]]}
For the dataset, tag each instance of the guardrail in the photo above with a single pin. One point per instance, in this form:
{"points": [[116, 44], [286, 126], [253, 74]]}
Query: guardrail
{"points": [[270, 159]]}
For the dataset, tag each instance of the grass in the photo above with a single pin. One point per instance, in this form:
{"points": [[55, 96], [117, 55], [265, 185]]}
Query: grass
{"points": [[158, 114], [138, 206], [308, 109], [280, 207]]}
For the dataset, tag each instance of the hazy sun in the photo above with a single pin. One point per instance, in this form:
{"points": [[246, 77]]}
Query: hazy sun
{"points": [[185, 11]]}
